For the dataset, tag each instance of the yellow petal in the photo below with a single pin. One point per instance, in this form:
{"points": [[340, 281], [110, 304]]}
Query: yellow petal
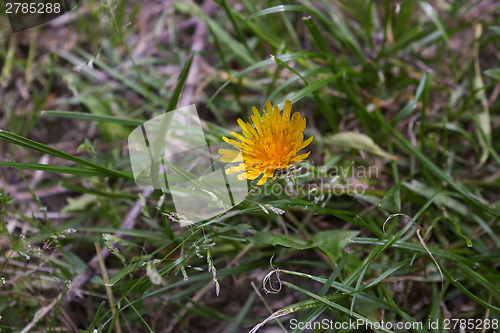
{"points": [[302, 124], [277, 118], [286, 111], [269, 108], [262, 180], [230, 156], [239, 136], [252, 174], [295, 120], [245, 128], [306, 143], [270, 172], [232, 142], [300, 157], [236, 169]]}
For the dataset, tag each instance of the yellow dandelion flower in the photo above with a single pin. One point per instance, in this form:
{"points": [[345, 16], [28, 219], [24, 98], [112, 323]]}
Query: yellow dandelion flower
{"points": [[270, 142]]}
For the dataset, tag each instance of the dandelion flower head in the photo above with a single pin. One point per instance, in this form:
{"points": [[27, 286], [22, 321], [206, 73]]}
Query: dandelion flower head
{"points": [[268, 143]]}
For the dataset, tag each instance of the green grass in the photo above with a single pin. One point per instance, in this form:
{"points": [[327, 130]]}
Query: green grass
{"points": [[408, 88]]}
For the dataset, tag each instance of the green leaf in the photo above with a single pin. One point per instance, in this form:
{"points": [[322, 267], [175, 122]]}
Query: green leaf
{"points": [[174, 99], [7, 62], [101, 107], [482, 116], [123, 273], [414, 102], [494, 73], [97, 316], [359, 141], [458, 230], [495, 29], [332, 242], [81, 203], [318, 39], [268, 238], [388, 272]]}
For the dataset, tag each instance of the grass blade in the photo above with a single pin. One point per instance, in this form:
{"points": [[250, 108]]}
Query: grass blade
{"points": [[24, 142], [92, 117]]}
